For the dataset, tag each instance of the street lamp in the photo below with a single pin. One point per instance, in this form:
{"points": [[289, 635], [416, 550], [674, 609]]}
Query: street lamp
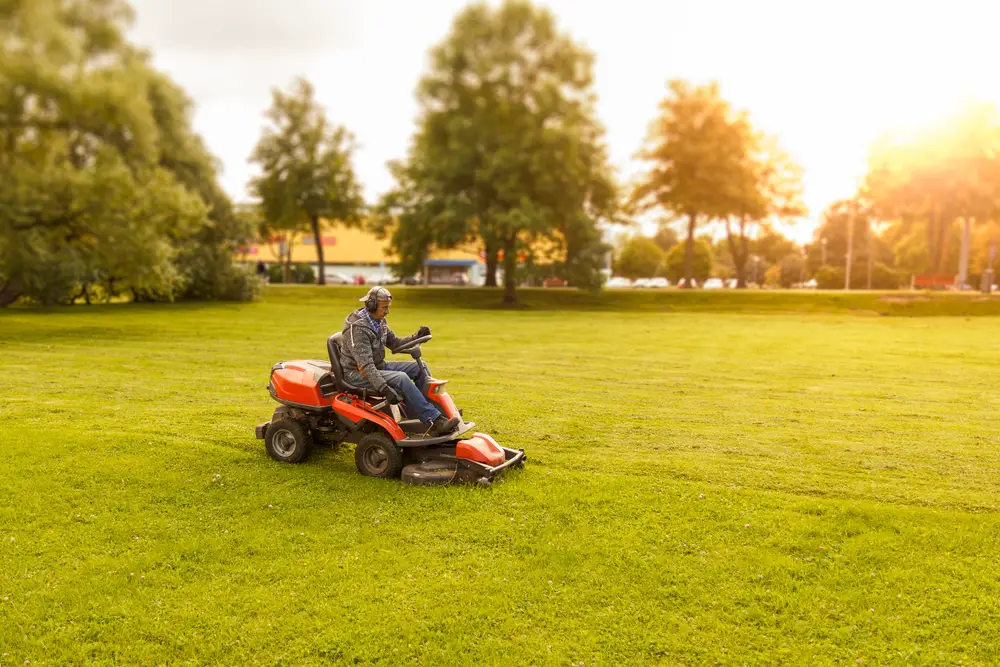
{"points": [[988, 274]]}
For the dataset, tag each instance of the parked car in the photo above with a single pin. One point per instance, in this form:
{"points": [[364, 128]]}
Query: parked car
{"points": [[618, 281], [553, 282], [659, 282], [334, 278], [642, 282], [714, 283]]}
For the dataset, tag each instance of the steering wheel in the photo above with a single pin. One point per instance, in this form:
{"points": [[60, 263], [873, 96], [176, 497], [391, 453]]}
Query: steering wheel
{"points": [[413, 345]]}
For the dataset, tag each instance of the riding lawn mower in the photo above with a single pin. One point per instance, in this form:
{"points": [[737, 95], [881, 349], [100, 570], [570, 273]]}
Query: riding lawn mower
{"points": [[319, 406]]}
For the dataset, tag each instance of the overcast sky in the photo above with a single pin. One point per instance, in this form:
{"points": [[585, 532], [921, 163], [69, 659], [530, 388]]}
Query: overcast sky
{"points": [[826, 77]]}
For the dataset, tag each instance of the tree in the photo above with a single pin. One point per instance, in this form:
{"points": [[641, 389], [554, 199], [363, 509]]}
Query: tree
{"points": [[927, 180], [698, 149], [666, 236], [769, 186], [205, 255], [791, 269], [869, 249], [678, 267], [508, 148], [105, 184], [306, 172], [772, 245], [641, 257], [722, 260]]}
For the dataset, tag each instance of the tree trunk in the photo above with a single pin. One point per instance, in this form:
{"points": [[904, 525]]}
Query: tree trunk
{"points": [[509, 271], [491, 264], [963, 257], [944, 243], [868, 250], [932, 241], [745, 242], [938, 240], [10, 291], [321, 279], [286, 265], [739, 254], [689, 249]]}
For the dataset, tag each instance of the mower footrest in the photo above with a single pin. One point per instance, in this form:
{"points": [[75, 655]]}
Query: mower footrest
{"points": [[261, 430]]}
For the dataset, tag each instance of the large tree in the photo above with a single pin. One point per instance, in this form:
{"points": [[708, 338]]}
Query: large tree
{"points": [[698, 150], [306, 172], [508, 149], [927, 180], [767, 187], [104, 183]]}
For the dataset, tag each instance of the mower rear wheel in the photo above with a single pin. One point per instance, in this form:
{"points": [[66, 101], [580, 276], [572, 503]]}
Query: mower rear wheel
{"points": [[378, 456], [288, 441]]}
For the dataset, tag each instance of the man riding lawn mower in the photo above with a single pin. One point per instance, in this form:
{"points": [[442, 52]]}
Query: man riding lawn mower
{"points": [[400, 417]]}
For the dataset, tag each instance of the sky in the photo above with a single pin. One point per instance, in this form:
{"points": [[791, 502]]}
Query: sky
{"points": [[826, 78]]}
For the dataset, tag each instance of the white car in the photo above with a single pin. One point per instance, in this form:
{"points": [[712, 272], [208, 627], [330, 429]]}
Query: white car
{"points": [[618, 281], [659, 282], [714, 283], [335, 278], [642, 282]]}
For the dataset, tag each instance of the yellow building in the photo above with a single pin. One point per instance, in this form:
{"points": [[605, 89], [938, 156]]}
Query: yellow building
{"points": [[350, 252]]}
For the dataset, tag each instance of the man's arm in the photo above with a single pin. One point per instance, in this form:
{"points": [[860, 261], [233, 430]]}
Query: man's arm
{"points": [[359, 339], [394, 342]]}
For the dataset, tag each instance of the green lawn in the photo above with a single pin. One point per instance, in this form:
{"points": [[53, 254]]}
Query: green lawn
{"points": [[702, 487]]}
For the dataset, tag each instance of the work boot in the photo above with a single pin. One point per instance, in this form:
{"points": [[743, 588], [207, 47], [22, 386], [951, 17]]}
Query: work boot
{"points": [[442, 426]]}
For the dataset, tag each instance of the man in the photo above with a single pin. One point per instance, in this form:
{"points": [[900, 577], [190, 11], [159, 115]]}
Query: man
{"points": [[366, 335]]}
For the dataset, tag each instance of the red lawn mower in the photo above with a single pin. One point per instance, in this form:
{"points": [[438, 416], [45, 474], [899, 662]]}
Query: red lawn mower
{"points": [[317, 405]]}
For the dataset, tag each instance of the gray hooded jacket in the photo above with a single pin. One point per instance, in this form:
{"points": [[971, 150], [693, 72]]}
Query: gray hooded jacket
{"points": [[363, 348]]}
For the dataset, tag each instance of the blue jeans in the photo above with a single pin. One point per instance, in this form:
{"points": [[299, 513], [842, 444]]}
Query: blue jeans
{"points": [[401, 375]]}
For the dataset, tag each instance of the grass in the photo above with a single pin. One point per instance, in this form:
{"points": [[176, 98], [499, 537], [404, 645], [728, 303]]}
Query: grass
{"points": [[702, 487], [891, 303]]}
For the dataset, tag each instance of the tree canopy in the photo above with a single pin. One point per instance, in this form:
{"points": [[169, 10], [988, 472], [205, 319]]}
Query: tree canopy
{"points": [[306, 171], [105, 184], [698, 150], [508, 148], [641, 257], [923, 181]]}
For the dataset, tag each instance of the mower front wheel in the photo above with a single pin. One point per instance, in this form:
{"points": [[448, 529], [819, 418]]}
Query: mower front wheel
{"points": [[288, 441], [378, 456]]}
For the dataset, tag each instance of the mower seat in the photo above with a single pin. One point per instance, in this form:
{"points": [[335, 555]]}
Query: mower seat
{"points": [[333, 349]]}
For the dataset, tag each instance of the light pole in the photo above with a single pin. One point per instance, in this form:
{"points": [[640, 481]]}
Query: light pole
{"points": [[823, 242], [850, 246], [868, 249], [988, 273]]}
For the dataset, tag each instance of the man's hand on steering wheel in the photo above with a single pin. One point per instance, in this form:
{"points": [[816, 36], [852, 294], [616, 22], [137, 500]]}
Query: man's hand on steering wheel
{"points": [[423, 331]]}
